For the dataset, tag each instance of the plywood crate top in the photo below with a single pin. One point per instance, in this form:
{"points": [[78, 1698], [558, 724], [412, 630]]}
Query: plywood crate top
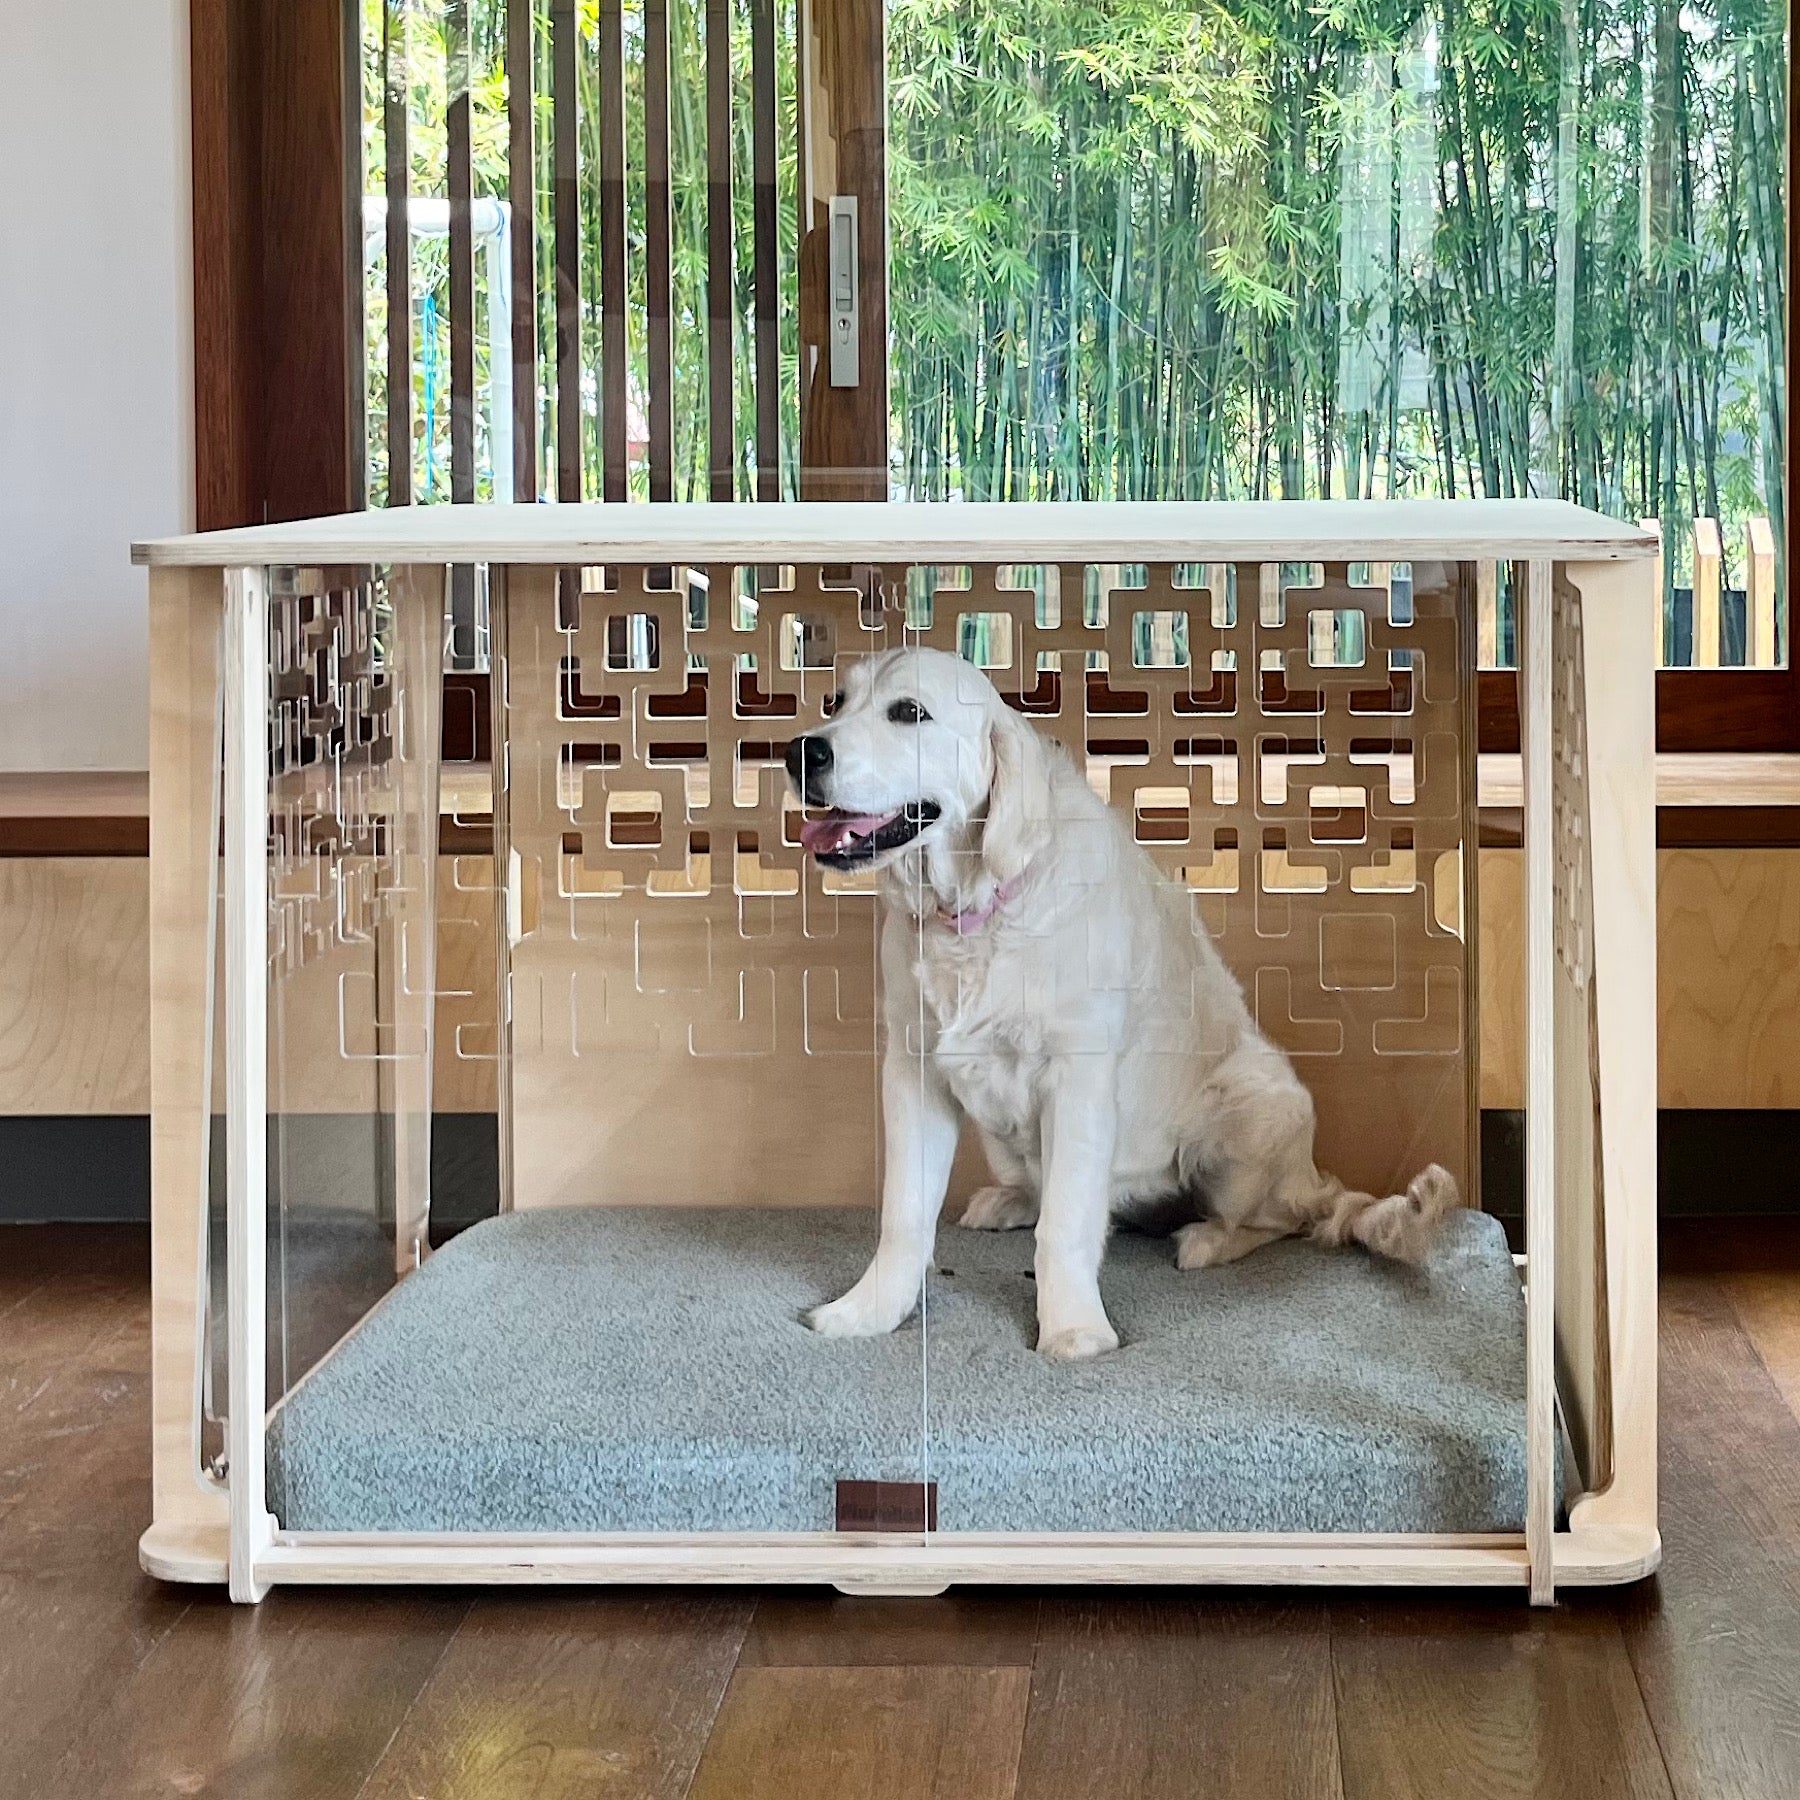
{"points": [[1129, 531]]}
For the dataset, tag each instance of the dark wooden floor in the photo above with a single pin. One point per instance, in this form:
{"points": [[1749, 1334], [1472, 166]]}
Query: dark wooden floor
{"points": [[113, 1686]]}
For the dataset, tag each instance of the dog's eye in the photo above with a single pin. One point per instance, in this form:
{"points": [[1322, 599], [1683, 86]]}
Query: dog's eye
{"points": [[833, 704], [907, 712]]}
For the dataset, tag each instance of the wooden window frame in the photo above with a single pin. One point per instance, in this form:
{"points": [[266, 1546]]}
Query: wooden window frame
{"points": [[277, 314], [278, 319]]}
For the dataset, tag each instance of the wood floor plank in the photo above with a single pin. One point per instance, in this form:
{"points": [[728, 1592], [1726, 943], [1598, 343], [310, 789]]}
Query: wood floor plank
{"points": [[561, 1697], [1707, 1246], [991, 1628], [51, 1328], [119, 1686], [74, 1449], [1486, 1700], [32, 1254], [73, 1437], [14, 1295], [1715, 1639], [68, 1647], [40, 1311], [1767, 1304], [1725, 1417], [1175, 1697], [866, 1734], [77, 1618], [113, 1685], [295, 1699]]}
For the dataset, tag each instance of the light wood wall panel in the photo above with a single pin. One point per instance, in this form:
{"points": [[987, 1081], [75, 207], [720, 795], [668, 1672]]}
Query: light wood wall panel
{"points": [[74, 984], [74, 993], [1727, 978], [1501, 964], [465, 1074]]}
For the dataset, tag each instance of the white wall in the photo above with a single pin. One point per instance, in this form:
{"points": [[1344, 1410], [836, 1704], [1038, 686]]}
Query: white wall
{"points": [[96, 359]]}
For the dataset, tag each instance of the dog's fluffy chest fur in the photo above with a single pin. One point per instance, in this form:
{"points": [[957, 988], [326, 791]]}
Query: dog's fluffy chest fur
{"points": [[985, 1035], [1080, 976], [1128, 983]]}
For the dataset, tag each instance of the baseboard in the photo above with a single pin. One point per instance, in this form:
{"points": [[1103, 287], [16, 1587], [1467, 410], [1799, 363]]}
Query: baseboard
{"points": [[95, 1169], [1711, 1163], [76, 1169], [91, 1168]]}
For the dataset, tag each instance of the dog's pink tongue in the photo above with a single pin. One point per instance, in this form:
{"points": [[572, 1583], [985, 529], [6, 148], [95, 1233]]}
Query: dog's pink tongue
{"points": [[833, 830]]}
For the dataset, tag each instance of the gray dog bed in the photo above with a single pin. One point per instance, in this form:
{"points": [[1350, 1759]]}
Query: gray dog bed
{"points": [[646, 1370]]}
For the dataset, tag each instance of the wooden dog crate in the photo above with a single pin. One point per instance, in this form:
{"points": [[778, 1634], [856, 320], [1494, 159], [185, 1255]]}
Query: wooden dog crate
{"points": [[1282, 696]]}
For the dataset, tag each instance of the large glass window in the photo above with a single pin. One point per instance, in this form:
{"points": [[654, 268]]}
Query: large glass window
{"points": [[1138, 249], [1277, 250], [419, 57]]}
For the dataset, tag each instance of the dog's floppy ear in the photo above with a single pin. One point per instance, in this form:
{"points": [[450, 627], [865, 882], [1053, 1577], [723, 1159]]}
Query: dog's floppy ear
{"points": [[1018, 808]]}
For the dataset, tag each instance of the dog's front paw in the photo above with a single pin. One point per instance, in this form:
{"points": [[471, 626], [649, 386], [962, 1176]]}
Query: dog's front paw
{"points": [[1078, 1343], [999, 1209], [852, 1317]]}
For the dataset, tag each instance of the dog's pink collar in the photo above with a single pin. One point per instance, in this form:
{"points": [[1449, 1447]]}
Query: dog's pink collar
{"points": [[972, 918]]}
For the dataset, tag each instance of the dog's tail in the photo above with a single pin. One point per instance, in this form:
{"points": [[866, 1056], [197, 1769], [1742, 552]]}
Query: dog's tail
{"points": [[1403, 1226]]}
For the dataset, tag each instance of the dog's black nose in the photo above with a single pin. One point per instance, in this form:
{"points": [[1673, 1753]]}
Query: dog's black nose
{"points": [[808, 758]]}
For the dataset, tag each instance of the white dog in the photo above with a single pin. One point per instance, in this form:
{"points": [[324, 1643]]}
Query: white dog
{"points": [[1043, 980]]}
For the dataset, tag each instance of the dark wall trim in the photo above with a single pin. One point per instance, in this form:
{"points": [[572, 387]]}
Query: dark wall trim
{"points": [[84, 834], [1710, 1163], [1678, 827], [1696, 709], [1714, 1164], [82, 1169], [95, 1168], [74, 834]]}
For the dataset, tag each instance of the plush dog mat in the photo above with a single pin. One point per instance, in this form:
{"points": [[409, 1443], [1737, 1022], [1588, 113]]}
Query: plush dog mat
{"points": [[646, 1370]]}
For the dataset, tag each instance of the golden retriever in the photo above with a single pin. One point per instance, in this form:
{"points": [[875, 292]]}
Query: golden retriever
{"points": [[1041, 978]]}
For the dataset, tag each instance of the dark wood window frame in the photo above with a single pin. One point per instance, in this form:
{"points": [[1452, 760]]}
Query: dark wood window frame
{"points": [[278, 346]]}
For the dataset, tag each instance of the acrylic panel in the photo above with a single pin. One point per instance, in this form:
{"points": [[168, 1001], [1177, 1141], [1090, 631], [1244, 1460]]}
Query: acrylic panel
{"points": [[693, 1008]]}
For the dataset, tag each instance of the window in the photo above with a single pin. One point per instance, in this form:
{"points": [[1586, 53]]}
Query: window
{"points": [[567, 312], [1130, 248], [1276, 251]]}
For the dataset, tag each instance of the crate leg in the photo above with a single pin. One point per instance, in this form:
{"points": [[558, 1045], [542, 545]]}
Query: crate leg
{"points": [[186, 1540]]}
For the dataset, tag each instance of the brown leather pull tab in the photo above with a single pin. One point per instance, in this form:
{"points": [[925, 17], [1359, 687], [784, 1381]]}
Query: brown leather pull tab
{"points": [[887, 1506]]}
